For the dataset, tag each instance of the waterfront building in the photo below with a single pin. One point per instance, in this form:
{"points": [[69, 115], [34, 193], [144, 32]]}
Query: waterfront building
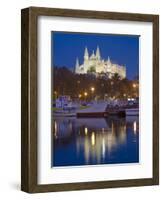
{"points": [[95, 64]]}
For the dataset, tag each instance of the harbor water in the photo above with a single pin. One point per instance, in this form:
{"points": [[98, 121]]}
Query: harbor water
{"points": [[95, 141]]}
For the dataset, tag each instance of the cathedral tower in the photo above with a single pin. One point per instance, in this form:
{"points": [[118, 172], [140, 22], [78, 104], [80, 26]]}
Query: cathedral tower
{"points": [[98, 56], [77, 65], [109, 61], [86, 55]]}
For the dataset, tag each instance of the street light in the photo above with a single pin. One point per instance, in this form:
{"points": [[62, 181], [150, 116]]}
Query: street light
{"points": [[134, 85], [85, 94], [79, 95], [92, 89], [55, 94], [135, 89]]}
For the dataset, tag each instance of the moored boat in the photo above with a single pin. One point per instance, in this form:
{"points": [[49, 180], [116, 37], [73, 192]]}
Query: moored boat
{"points": [[64, 114], [132, 111]]}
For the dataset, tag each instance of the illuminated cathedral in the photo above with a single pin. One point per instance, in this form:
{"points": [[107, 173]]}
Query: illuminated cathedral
{"points": [[96, 65]]}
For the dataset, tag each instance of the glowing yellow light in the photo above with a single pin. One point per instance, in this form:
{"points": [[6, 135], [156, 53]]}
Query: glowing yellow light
{"points": [[79, 95], [55, 129], [134, 127], [134, 85], [92, 89], [85, 130], [93, 139], [85, 93]]}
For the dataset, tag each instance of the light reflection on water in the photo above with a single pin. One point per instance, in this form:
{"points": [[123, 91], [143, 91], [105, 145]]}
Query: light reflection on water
{"points": [[91, 141]]}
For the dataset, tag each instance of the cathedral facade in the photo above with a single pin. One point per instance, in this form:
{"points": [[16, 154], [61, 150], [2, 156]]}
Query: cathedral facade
{"points": [[96, 65]]}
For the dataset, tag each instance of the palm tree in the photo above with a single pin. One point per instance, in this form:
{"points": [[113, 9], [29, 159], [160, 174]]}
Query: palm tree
{"points": [[115, 83]]}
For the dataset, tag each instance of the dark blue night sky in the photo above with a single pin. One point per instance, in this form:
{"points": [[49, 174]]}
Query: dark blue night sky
{"points": [[122, 49]]}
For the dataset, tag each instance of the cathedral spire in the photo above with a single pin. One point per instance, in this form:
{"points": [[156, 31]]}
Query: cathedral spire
{"points": [[109, 60], [98, 53], [93, 55], [77, 65], [86, 55]]}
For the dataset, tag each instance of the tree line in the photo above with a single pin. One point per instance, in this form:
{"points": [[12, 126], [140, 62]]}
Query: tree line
{"points": [[66, 82]]}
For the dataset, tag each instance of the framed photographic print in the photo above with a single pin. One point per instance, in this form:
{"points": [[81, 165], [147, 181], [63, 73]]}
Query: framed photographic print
{"points": [[90, 99]]}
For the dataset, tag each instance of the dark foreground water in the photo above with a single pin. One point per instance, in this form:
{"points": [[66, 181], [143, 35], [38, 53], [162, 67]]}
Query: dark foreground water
{"points": [[92, 141]]}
